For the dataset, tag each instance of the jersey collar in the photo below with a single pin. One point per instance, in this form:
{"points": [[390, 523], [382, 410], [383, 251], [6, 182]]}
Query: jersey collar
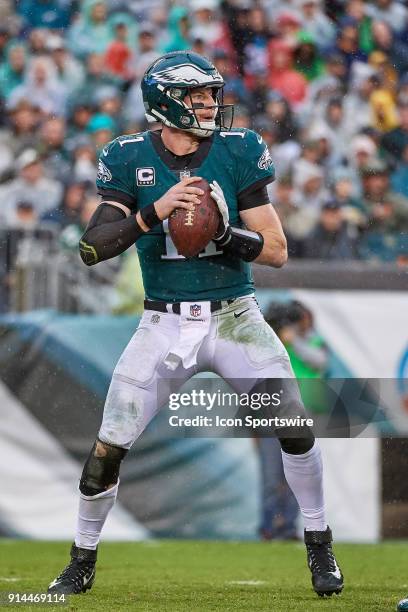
{"points": [[191, 161]]}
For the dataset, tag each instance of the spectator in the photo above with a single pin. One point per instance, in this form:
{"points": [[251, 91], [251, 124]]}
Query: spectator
{"points": [[307, 59], [383, 110], [381, 204], [395, 141], [393, 13], [282, 77], [108, 101], [362, 149], [70, 71], [96, 77], [333, 238], [79, 116], [205, 25], [283, 154], [287, 26], [345, 195], [30, 185], [316, 23], [5, 35], [347, 45], [84, 160], [23, 216], [310, 155], [399, 178], [179, 37], [356, 13], [51, 147], [384, 238], [102, 129], [118, 54], [307, 350], [280, 114], [255, 49], [236, 17], [292, 216], [6, 158], [91, 33], [386, 73], [233, 81], [331, 128], [69, 210], [310, 190], [147, 51], [23, 122], [403, 89], [37, 40], [12, 69], [329, 85], [388, 43], [42, 88], [133, 108], [357, 107]]}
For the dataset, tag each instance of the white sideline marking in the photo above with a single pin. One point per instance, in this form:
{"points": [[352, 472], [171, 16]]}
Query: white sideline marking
{"points": [[247, 582], [4, 579]]}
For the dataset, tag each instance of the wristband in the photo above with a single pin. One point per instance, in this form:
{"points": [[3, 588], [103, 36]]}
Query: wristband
{"points": [[149, 216], [241, 243]]}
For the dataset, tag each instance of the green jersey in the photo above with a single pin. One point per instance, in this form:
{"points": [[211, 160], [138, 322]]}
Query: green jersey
{"points": [[137, 170]]}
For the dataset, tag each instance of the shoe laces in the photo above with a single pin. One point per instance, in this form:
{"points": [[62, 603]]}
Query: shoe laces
{"points": [[321, 558], [75, 572]]}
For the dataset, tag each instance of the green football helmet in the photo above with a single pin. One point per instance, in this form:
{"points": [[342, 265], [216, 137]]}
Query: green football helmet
{"points": [[170, 79]]}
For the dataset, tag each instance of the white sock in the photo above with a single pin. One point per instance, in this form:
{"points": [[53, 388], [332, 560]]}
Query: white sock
{"points": [[304, 475], [93, 510]]}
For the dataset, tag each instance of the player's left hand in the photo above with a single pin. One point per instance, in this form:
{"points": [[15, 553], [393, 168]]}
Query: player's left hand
{"points": [[217, 195]]}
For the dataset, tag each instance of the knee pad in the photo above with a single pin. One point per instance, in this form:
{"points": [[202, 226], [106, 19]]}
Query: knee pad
{"points": [[298, 445], [101, 469]]}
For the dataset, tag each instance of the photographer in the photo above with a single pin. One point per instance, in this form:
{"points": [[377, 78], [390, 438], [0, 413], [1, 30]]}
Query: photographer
{"points": [[293, 323]]}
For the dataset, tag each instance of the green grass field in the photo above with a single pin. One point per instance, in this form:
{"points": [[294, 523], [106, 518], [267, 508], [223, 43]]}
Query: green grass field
{"points": [[179, 576]]}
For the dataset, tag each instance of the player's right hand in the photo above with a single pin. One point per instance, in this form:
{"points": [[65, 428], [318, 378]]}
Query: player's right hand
{"points": [[181, 195]]}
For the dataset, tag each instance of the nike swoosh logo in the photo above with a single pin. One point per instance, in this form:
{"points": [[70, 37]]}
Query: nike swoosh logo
{"points": [[53, 583], [337, 573], [86, 580], [105, 152], [238, 314]]}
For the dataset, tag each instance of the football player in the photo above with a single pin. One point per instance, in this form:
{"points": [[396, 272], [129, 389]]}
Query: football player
{"points": [[200, 313]]}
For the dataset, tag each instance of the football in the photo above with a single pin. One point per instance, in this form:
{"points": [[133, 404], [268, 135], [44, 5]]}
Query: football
{"points": [[191, 231]]}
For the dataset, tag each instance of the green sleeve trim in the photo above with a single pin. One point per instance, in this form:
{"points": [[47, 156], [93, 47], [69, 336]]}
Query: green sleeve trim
{"points": [[88, 253]]}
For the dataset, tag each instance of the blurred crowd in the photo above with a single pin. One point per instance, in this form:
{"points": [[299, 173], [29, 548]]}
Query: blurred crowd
{"points": [[324, 82]]}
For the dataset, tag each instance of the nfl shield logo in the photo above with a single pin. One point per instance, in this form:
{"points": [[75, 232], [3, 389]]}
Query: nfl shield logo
{"points": [[195, 310]]}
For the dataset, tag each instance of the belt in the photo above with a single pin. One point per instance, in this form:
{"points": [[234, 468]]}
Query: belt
{"points": [[174, 307]]}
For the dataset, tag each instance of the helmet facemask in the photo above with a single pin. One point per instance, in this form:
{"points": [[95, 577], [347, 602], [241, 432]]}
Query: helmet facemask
{"points": [[206, 128]]}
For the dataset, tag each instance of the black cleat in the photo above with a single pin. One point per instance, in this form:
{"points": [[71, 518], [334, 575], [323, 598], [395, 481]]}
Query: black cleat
{"points": [[78, 576], [326, 574]]}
